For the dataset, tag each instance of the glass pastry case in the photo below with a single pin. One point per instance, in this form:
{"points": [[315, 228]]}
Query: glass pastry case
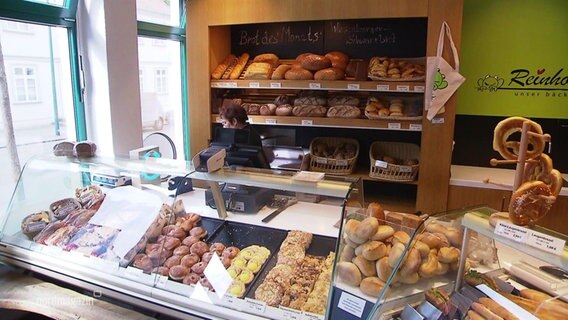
{"points": [[236, 243]]}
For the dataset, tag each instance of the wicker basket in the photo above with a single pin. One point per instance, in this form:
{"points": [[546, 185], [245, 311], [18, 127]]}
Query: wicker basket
{"points": [[393, 172], [332, 165]]}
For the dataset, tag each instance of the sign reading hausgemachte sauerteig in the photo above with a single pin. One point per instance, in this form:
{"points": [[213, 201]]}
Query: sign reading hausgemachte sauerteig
{"points": [[361, 39]]}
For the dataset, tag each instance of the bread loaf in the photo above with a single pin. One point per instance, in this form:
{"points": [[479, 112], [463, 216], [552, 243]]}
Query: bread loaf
{"points": [[310, 100], [298, 74], [220, 69], [338, 59], [301, 56], [284, 110], [239, 66], [329, 74], [374, 209], [282, 99], [280, 71], [309, 111], [258, 71], [251, 108], [269, 58], [342, 100], [268, 109], [315, 62], [344, 111]]}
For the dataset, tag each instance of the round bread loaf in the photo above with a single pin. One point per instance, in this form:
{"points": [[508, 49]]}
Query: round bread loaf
{"points": [[315, 62], [329, 74], [349, 273], [298, 74], [280, 71], [284, 110], [338, 59], [270, 58], [268, 109]]}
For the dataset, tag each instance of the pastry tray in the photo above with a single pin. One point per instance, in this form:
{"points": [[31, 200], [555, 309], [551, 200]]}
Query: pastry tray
{"points": [[320, 246]]}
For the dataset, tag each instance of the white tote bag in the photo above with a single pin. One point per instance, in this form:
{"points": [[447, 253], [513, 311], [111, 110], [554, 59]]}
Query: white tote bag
{"points": [[442, 80]]}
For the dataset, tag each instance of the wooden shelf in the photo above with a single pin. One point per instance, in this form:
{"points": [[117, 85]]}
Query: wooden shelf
{"points": [[398, 125], [343, 85]]}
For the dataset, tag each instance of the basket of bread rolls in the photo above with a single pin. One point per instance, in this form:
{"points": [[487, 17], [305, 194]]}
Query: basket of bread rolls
{"points": [[333, 155], [394, 161]]}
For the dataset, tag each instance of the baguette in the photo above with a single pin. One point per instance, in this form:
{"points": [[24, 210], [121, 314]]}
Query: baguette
{"points": [[220, 69], [472, 315], [484, 311], [497, 308], [541, 297], [239, 66], [230, 67]]}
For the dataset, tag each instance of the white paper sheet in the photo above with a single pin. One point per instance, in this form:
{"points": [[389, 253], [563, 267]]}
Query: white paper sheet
{"points": [[130, 210]]}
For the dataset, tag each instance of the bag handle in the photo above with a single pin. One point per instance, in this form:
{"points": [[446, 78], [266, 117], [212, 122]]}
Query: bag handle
{"points": [[445, 30]]}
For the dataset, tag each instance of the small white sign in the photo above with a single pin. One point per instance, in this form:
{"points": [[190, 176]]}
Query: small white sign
{"points": [[133, 273], [254, 305], [381, 164], [402, 88], [341, 162], [291, 314], [275, 85], [438, 120], [394, 125], [315, 85], [270, 121], [321, 160], [232, 85], [415, 127], [545, 242], [307, 122], [254, 84], [418, 88], [383, 87], [353, 86], [161, 281], [351, 304], [511, 231], [229, 300], [311, 316], [405, 168]]}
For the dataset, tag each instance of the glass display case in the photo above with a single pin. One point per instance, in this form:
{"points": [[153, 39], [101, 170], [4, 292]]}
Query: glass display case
{"points": [[235, 243]]}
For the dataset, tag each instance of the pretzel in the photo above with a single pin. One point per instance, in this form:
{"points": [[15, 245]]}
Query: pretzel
{"points": [[538, 170], [510, 149], [530, 203]]}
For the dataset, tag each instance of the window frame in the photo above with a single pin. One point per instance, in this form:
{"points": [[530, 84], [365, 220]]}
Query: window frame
{"points": [[25, 79]]}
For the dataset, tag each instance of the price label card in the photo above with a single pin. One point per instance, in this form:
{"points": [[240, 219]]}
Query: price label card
{"points": [[307, 122], [291, 314], [353, 86], [275, 85], [418, 88], [545, 242], [511, 231], [229, 300], [437, 120], [270, 121], [415, 127], [352, 304], [394, 125], [341, 162], [405, 168], [133, 273], [315, 85], [231, 85], [161, 281], [254, 84], [311, 316], [383, 87], [381, 164], [216, 85], [402, 88], [321, 160], [254, 305]]}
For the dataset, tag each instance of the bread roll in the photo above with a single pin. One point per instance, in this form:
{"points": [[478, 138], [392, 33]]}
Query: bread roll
{"points": [[280, 71], [395, 253], [442, 268], [315, 62], [422, 248], [329, 74], [372, 250], [239, 66], [372, 286], [298, 74], [347, 254], [367, 228], [401, 236], [338, 59], [495, 217], [284, 110], [269, 58], [383, 269], [374, 209], [411, 278], [366, 267], [350, 228], [301, 56], [383, 232], [428, 268], [412, 263], [348, 273], [282, 99]]}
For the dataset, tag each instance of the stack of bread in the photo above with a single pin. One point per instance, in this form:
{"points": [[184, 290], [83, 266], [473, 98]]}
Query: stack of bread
{"points": [[372, 250], [341, 106], [381, 68], [334, 151], [310, 104], [310, 66]]}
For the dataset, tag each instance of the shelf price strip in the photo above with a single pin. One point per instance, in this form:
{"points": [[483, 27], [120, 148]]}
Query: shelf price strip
{"points": [[532, 238]]}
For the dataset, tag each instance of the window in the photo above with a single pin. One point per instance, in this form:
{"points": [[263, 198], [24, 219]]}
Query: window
{"points": [[25, 84], [164, 12], [158, 43], [161, 81], [17, 27]]}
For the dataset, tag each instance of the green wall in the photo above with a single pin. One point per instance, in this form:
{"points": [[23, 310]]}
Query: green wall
{"points": [[501, 36]]}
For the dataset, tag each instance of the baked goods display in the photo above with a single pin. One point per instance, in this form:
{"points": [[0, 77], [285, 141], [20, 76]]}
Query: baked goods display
{"points": [[390, 69], [244, 266], [394, 161]]}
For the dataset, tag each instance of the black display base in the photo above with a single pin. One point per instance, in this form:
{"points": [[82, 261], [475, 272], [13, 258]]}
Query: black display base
{"points": [[242, 199], [338, 313]]}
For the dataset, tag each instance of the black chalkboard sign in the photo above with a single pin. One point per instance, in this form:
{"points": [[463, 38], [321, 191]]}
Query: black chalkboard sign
{"points": [[360, 38], [287, 40]]}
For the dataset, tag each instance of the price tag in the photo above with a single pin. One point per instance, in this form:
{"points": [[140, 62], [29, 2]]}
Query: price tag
{"points": [[394, 125], [254, 84], [511, 231], [383, 87], [161, 281], [254, 305], [270, 121], [315, 85], [291, 314], [275, 85], [438, 121], [321, 160], [311, 316], [353, 86], [104, 265], [415, 127], [351, 304], [307, 122], [231, 85], [545, 242], [133, 273], [418, 88], [216, 85], [405, 168], [381, 164], [402, 88], [341, 162], [229, 300]]}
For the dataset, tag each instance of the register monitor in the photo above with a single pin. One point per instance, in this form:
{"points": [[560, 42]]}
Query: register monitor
{"points": [[238, 150]]}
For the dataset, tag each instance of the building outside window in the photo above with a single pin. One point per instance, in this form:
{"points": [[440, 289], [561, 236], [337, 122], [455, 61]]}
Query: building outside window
{"points": [[161, 81], [25, 84]]}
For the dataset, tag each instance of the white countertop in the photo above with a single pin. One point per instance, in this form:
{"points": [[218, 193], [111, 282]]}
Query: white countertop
{"points": [[489, 178]]}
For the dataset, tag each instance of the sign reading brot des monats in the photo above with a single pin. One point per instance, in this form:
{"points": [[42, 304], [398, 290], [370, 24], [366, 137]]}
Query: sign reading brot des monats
{"points": [[358, 38]]}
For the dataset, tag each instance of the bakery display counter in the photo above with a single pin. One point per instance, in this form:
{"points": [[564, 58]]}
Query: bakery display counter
{"points": [[151, 246]]}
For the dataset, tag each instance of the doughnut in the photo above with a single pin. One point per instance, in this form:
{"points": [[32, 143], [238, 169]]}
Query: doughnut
{"points": [[530, 203], [191, 278], [198, 232], [181, 251], [176, 232], [206, 257], [189, 241], [143, 262], [189, 260], [510, 149], [170, 243], [177, 273], [218, 247], [199, 267], [226, 261], [206, 284], [199, 248], [230, 252], [193, 217], [163, 271], [172, 261]]}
